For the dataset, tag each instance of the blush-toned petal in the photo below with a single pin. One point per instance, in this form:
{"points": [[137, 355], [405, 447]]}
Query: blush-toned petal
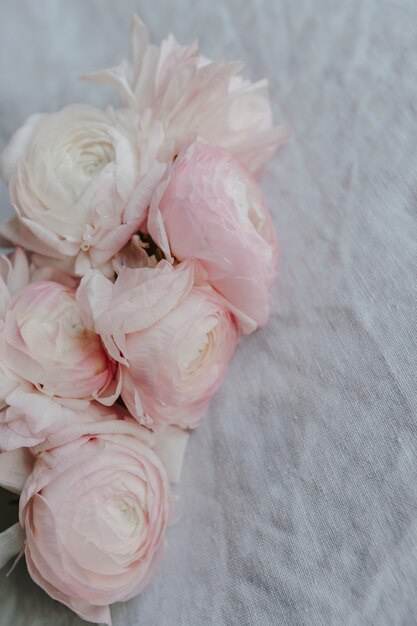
{"points": [[170, 447], [94, 296], [137, 300], [218, 203]]}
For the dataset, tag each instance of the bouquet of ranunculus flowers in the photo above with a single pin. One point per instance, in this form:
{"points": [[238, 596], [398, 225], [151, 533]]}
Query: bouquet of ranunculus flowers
{"points": [[149, 252]]}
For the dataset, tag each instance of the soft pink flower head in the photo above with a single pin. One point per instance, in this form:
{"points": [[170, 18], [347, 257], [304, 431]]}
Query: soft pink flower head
{"points": [[45, 343], [176, 365], [16, 272], [212, 210], [80, 181], [173, 341], [95, 510], [187, 95]]}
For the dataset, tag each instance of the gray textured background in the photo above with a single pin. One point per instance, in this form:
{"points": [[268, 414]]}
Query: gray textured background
{"points": [[299, 493]]}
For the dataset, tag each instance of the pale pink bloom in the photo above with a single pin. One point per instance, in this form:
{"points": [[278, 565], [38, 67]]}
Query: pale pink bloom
{"points": [[173, 341], [189, 95], [95, 510], [177, 365], [16, 272], [16, 465], [211, 210], [80, 181], [26, 414], [45, 343]]}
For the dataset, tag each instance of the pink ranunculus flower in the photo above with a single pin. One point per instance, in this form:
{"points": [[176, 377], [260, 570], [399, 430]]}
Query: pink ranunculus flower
{"points": [[44, 342], [212, 210], [177, 365], [188, 95], [173, 341], [27, 415], [80, 181], [95, 510], [16, 272]]}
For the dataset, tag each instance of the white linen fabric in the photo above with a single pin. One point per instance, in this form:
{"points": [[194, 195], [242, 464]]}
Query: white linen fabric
{"points": [[299, 491]]}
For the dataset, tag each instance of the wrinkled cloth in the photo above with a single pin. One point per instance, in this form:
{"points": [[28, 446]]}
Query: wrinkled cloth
{"points": [[299, 491]]}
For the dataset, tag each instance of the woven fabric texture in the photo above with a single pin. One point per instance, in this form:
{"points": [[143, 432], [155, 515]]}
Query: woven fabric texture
{"points": [[299, 492]]}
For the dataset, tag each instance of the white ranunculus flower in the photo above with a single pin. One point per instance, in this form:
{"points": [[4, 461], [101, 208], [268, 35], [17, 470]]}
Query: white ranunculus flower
{"points": [[79, 182]]}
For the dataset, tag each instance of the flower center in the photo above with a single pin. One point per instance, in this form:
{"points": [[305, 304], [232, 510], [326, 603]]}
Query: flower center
{"points": [[94, 156], [126, 515], [195, 350]]}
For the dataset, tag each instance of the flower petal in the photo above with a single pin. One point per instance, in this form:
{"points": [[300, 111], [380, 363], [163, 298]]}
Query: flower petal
{"points": [[170, 446]]}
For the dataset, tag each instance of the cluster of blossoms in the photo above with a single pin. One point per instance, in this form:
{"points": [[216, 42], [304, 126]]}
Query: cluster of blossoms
{"points": [[145, 249]]}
